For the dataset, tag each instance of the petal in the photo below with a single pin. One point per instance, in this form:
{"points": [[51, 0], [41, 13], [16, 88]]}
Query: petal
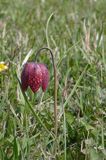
{"points": [[45, 76], [24, 77], [35, 77]]}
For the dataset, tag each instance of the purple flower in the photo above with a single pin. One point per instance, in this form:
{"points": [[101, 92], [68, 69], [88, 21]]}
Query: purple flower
{"points": [[35, 75]]}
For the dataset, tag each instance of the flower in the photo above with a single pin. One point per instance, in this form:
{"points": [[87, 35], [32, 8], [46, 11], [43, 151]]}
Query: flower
{"points": [[3, 66], [34, 75]]}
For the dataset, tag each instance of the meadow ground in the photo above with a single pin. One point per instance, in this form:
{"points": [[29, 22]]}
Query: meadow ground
{"points": [[76, 32]]}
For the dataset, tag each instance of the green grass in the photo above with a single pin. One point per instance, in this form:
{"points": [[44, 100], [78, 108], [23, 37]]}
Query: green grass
{"points": [[76, 32]]}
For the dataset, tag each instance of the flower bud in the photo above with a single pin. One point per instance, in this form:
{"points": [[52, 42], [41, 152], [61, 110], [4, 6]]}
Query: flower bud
{"points": [[34, 75]]}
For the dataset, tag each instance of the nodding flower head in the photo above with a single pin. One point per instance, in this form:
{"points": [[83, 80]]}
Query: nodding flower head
{"points": [[34, 75]]}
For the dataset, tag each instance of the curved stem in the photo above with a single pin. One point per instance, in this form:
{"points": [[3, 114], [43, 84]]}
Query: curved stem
{"points": [[55, 84]]}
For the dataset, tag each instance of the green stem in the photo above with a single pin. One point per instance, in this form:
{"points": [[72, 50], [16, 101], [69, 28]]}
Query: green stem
{"points": [[64, 132], [55, 89]]}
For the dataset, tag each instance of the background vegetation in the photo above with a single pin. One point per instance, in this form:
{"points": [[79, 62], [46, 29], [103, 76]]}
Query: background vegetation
{"points": [[76, 32]]}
